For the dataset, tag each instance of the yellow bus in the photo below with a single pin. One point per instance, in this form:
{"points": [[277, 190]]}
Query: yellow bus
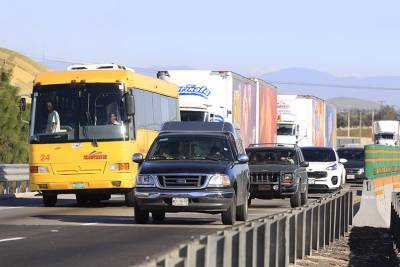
{"points": [[85, 125]]}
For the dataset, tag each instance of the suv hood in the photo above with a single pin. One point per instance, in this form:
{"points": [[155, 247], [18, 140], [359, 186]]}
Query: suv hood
{"points": [[320, 166], [181, 166], [354, 164], [273, 168]]}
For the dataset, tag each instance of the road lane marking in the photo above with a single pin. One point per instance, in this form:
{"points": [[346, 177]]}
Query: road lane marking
{"points": [[11, 239], [9, 208], [88, 224]]}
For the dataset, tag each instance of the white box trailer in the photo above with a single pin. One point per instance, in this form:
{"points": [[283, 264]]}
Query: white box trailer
{"points": [[206, 95], [386, 132], [301, 120]]}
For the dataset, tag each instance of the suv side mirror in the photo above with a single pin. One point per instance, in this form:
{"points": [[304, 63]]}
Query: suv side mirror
{"points": [[304, 164], [137, 158], [129, 104], [22, 104], [343, 161], [242, 158]]}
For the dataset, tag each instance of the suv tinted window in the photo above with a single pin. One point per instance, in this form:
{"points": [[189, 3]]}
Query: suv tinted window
{"points": [[191, 147], [351, 154], [272, 156]]}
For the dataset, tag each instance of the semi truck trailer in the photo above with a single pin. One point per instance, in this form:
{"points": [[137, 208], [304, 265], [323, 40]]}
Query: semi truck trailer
{"points": [[386, 133], [225, 96]]}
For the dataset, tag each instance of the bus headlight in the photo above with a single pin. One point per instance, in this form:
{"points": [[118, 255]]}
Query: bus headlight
{"points": [[119, 167], [219, 180], [38, 169], [145, 180]]}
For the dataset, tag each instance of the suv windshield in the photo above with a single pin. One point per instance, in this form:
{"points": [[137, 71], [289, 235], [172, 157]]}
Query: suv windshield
{"points": [[351, 154], [70, 113], [319, 155], [191, 147], [272, 156], [286, 129]]}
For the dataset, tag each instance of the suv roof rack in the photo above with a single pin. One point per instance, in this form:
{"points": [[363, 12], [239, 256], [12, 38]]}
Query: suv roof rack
{"points": [[272, 144], [195, 126]]}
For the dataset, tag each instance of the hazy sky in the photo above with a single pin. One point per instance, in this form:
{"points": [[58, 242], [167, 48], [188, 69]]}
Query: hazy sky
{"points": [[356, 37]]}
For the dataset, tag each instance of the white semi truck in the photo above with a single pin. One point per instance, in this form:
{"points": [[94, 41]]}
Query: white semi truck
{"points": [[306, 121], [386, 133], [206, 95]]}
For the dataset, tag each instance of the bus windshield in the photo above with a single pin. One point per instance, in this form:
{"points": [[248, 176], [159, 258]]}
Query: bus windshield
{"points": [[74, 113]]}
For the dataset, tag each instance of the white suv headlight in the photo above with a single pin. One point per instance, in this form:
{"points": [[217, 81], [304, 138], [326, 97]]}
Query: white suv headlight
{"points": [[145, 180], [332, 167], [219, 180]]}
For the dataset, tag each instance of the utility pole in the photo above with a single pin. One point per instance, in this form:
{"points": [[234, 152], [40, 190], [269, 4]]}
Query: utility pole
{"points": [[360, 123], [348, 123], [372, 123]]}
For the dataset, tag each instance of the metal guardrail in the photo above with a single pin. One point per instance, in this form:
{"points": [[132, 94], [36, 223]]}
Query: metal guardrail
{"points": [[395, 220], [14, 178], [271, 241]]}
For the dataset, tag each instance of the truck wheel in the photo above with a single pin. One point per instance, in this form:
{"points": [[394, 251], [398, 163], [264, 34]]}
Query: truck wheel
{"points": [[141, 216], [304, 197], [295, 200], [130, 198], [49, 200], [81, 199], [229, 216], [242, 210], [158, 215]]}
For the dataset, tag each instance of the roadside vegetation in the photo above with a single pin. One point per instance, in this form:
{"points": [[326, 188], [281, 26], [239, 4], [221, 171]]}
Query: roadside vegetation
{"points": [[13, 123]]}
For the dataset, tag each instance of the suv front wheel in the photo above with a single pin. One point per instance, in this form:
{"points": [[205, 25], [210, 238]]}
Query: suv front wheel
{"points": [[295, 199], [242, 210], [229, 216]]}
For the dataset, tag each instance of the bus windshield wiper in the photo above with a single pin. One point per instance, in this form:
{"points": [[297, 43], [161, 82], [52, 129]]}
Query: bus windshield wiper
{"points": [[89, 120]]}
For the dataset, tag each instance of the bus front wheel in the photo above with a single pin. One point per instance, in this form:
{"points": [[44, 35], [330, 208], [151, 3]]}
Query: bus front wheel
{"points": [[130, 198], [49, 200]]}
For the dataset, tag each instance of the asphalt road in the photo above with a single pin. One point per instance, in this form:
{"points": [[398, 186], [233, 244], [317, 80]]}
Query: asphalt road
{"points": [[101, 235]]}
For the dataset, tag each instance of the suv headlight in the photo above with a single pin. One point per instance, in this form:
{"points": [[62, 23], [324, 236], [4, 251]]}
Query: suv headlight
{"points": [[332, 167], [145, 180], [361, 170], [219, 180]]}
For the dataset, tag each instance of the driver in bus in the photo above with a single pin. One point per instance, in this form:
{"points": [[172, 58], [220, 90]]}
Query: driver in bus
{"points": [[53, 119], [113, 119]]}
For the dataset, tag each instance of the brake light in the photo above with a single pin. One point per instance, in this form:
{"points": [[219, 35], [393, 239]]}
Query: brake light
{"points": [[33, 169], [123, 166]]}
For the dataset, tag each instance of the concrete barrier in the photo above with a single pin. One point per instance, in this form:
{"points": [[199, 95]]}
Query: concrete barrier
{"points": [[271, 241], [382, 169], [14, 178]]}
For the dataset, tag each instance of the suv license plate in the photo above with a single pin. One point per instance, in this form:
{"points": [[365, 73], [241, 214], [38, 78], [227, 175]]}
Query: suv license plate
{"points": [[311, 181], [351, 176], [180, 202], [264, 187], [78, 186]]}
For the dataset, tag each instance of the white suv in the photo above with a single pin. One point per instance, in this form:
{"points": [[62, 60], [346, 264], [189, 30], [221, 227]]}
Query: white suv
{"points": [[326, 169]]}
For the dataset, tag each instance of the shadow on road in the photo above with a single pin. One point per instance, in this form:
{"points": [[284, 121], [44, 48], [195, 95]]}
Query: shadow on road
{"points": [[37, 202], [371, 247], [126, 220]]}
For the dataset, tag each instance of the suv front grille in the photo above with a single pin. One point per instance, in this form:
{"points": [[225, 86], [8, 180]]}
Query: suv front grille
{"points": [[181, 181], [264, 177], [317, 174], [352, 171]]}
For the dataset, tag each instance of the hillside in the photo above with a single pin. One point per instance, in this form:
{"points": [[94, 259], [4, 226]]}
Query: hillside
{"points": [[345, 103], [24, 69]]}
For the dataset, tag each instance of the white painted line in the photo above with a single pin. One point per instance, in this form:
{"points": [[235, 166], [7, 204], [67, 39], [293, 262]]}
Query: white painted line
{"points": [[88, 224], [9, 208], [54, 231], [11, 239]]}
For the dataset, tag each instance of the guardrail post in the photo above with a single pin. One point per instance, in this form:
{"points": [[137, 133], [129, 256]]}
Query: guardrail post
{"points": [[245, 247], [292, 241], [194, 253], [308, 231], [346, 212], [259, 248], [301, 234], [337, 227], [272, 243], [333, 221], [231, 248], [283, 238], [342, 214], [328, 214], [315, 236], [351, 208], [322, 224], [214, 250]]}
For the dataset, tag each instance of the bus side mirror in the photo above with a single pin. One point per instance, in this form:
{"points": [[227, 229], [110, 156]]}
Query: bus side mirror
{"points": [[22, 104], [129, 104]]}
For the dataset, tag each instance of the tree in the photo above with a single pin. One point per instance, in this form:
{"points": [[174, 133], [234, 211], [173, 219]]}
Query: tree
{"points": [[386, 113], [13, 131]]}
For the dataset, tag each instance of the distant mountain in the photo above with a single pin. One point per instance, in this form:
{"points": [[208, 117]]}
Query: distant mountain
{"points": [[346, 103], [294, 80], [24, 69]]}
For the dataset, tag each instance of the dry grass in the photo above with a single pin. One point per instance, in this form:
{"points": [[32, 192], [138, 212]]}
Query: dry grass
{"points": [[355, 132]]}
